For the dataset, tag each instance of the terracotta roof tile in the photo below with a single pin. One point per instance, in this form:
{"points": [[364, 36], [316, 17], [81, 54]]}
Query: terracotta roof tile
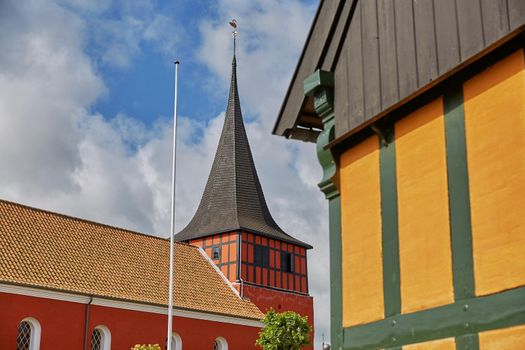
{"points": [[49, 250]]}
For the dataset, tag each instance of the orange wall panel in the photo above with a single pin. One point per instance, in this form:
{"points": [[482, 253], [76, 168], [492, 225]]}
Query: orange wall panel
{"points": [[424, 228], [495, 134], [233, 272], [441, 344], [233, 252], [361, 234], [509, 339], [224, 253]]}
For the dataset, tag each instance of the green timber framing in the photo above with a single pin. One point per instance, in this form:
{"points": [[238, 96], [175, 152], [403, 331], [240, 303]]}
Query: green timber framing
{"points": [[468, 315]]}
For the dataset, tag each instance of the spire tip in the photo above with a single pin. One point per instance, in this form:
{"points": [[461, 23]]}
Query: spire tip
{"points": [[233, 24]]}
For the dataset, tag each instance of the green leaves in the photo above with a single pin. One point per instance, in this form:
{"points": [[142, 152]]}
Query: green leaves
{"points": [[146, 347], [284, 331]]}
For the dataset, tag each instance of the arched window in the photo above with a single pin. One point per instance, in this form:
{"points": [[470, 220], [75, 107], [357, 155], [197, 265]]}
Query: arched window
{"points": [[101, 338], [220, 344], [28, 337], [176, 342]]}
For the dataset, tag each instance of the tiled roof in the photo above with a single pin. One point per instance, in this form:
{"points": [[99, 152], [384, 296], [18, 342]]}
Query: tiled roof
{"points": [[233, 198], [53, 251]]}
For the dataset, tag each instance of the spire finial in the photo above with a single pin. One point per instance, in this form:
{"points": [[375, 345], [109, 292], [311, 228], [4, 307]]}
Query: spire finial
{"points": [[233, 24]]}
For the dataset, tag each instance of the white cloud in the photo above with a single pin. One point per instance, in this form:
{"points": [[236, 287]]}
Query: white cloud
{"points": [[114, 169], [271, 36]]}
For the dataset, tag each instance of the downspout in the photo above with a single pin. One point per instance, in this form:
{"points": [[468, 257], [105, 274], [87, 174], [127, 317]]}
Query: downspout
{"points": [[239, 258], [86, 323]]}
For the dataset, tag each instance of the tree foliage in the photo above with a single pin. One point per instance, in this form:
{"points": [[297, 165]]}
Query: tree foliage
{"points": [[146, 347], [284, 331]]}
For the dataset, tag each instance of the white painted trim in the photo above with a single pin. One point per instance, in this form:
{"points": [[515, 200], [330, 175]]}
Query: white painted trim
{"points": [[36, 331], [226, 280], [75, 298], [176, 341], [223, 344], [43, 293], [105, 338]]}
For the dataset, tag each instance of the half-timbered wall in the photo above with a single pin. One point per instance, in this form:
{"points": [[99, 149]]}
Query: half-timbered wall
{"points": [[433, 221], [226, 245], [275, 272], [265, 262]]}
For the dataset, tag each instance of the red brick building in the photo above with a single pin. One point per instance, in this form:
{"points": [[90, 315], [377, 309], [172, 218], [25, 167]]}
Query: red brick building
{"points": [[68, 283], [233, 225]]}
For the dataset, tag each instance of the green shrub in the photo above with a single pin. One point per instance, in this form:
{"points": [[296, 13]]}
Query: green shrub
{"points": [[284, 331], [146, 347]]}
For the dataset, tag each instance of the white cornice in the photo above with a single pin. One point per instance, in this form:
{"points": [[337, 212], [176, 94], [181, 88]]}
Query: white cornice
{"points": [[75, 298], [44, 293]]}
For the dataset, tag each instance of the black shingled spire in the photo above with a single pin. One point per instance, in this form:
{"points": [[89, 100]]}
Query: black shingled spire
{"points": [[233, 198]]}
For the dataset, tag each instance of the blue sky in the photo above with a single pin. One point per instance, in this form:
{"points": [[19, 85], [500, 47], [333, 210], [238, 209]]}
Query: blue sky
{"points": [[144, 89], [86, 94]]}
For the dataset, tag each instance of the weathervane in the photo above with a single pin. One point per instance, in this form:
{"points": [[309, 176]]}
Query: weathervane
{"points": [[233, 24]]}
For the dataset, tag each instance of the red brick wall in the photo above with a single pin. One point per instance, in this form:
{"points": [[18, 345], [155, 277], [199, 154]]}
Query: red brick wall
{"points": [[280, 301], [63, 325]]}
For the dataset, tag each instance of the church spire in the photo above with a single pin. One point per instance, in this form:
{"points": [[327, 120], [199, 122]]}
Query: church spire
{"points": [[233, 198]]}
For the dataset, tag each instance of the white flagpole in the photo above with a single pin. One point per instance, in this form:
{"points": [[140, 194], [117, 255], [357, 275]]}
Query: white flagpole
{"points": [[172, 230]]}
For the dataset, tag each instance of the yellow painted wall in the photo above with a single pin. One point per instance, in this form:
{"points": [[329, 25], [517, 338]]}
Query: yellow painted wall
{"points": [[441, 344], [495, 135], [424, 233], [362, 284], [508, 339]]}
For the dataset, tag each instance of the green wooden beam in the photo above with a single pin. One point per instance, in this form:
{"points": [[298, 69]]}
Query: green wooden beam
{"points": [[389, 220], [467, 342], [458, 192], [320, 85], [505, 309], [459, 203]]}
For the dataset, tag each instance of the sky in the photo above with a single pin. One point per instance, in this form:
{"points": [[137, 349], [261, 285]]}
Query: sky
{"points": [[86, 103]]}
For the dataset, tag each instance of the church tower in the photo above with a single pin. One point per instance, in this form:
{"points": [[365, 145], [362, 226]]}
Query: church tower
{"points": [[233, 225]]}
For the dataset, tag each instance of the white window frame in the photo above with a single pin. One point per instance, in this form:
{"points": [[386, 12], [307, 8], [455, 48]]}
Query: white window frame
{"points": [[176, 341], [223, 344], [36, 331], [105, 337]]}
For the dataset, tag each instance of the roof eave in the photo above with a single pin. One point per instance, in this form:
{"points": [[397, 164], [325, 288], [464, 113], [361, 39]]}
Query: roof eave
{"points": [[294, 76], [250, 230]]}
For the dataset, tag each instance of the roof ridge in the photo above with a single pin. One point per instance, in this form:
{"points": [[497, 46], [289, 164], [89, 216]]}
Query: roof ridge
{"points": [[79, 219], [233, 88]]}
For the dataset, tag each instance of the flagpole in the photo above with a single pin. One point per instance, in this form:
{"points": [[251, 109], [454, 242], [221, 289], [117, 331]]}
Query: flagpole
{"points": [[172, 229]]}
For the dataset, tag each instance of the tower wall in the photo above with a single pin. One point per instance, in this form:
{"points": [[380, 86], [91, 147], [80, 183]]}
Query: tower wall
{"points": [[274, 273], [227, 245], [280, 301]]}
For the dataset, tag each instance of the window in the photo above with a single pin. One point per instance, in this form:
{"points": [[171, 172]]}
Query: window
{"points": [[23, 341], [176, 342], [28, 337], [287, 263], [101, 338], [262, 256], [220, 344], [96, 340], [216, 252]]}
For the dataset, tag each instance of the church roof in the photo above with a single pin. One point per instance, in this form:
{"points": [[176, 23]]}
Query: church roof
{"points": [[47, 250], [233, 198]]}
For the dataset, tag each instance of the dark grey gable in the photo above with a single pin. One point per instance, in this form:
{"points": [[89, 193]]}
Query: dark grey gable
{"points": [[384, 51]]}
